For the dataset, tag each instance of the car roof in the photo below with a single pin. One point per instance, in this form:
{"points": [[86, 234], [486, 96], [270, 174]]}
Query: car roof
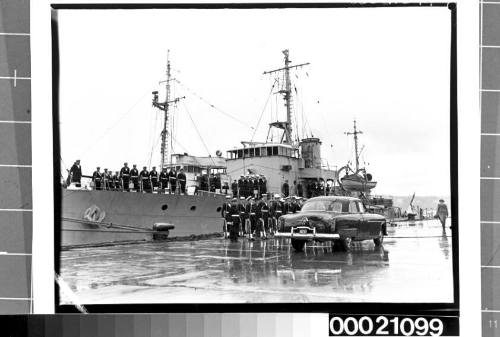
{"points": [[334, 197]]}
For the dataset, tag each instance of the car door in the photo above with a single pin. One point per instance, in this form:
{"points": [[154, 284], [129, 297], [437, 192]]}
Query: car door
{"points": [[364, 226], [351, 220]]}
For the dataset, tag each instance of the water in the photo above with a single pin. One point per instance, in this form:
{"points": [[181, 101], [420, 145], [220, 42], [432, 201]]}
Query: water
{"points": [[413, 265]]}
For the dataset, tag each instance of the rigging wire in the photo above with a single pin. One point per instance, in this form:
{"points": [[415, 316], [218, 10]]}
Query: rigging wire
{"points": [[121, 118], [263, 110], [210, 104], [152, 150], [199, 134]]}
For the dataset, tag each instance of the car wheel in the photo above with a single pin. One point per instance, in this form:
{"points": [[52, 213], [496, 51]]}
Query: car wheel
{"points": [[378, 241], [346, 244], [298, 245]]}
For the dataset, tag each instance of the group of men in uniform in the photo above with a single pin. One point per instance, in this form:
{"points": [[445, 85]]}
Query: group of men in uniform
{"points": [[127, 179], [249, 186], [256, 217]]}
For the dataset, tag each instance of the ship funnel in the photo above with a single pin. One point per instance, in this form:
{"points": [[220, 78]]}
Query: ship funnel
{"points": [[311, 152]]}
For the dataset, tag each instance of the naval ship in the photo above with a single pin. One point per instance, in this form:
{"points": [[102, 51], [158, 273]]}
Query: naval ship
{"points": [[96, 217], [289, 165]]}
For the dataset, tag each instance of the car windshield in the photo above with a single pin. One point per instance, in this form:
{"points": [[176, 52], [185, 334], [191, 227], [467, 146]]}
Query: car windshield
{"points": [[323, 205]]}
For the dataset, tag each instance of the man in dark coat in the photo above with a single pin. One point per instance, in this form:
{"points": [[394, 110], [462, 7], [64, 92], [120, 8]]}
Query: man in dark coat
{"points": [[97, 179], [145, 180], [125, 177], [76, 174], [134, 176], [442, 212]]}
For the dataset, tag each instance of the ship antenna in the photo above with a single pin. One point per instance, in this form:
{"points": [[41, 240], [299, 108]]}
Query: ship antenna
{"points": [[287, 97], [356, 132], [166, 133]]}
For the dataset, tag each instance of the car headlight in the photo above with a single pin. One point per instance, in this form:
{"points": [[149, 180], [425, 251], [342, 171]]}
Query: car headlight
{"points": [[281, 224]]}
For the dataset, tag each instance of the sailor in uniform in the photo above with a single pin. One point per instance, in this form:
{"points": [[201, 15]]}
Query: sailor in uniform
{"points": [[234, 188], [255, 186], [76, 174], [235, 220], [97, 179], [134, 176], [276, 211], [153, 175], [145, 182], [105, 179], [172, 178], [181, 177], [251, 213], [263, 187], [226, 215], [243, 215], [263, 216], [116, 180], [125, 177], [164, 180]]}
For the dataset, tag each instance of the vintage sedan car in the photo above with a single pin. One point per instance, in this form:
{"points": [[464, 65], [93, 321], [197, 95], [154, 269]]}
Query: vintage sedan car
{"points": [[338, 219]]}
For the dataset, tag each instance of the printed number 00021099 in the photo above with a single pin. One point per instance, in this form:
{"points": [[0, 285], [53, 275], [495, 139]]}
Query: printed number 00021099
{"points": [[383, 326]]}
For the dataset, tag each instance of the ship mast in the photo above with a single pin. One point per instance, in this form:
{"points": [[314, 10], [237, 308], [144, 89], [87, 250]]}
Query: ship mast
{"points": [[287, 97], [166, 133], [356, 132]]}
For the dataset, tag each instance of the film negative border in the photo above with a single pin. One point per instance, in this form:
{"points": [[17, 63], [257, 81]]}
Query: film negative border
{"points": [[16, 218], [489, 92]]}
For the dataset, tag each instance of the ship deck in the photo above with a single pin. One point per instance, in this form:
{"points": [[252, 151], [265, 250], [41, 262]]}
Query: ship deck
{"points": [[414, 265]]}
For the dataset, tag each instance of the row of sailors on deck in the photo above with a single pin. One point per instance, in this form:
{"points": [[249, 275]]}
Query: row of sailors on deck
{"points": [[256, 217], [248, 186], [131, 179]]}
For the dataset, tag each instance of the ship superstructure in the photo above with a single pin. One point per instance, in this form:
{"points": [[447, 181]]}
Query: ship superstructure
{"points": [[290, 166]]}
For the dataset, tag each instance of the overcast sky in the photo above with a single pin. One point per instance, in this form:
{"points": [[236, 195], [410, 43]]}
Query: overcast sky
{"points": [[386, 67]]}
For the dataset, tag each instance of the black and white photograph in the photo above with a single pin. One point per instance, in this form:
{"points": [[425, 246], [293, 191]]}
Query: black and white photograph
{"points": [[255, 155]]}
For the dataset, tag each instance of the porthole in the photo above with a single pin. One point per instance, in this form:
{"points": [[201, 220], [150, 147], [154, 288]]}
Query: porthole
{"points": [[164, 207], [218, 209], [193, 208]]}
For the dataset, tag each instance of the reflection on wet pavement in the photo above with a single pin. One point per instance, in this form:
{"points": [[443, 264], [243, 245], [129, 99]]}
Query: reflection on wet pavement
{"points": [[413, 265]]}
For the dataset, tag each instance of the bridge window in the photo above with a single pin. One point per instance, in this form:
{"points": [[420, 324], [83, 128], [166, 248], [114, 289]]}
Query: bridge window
{"points": [[257, 152], [240, 153], [269, 151], [263, 151], [275, 151], [252, 152]]}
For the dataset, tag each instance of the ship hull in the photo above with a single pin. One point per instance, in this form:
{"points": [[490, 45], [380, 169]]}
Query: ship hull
{"points": [[129, 216]]}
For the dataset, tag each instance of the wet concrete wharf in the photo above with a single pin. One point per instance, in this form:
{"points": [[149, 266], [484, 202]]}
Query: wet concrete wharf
{"points": [[414, 264]]}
